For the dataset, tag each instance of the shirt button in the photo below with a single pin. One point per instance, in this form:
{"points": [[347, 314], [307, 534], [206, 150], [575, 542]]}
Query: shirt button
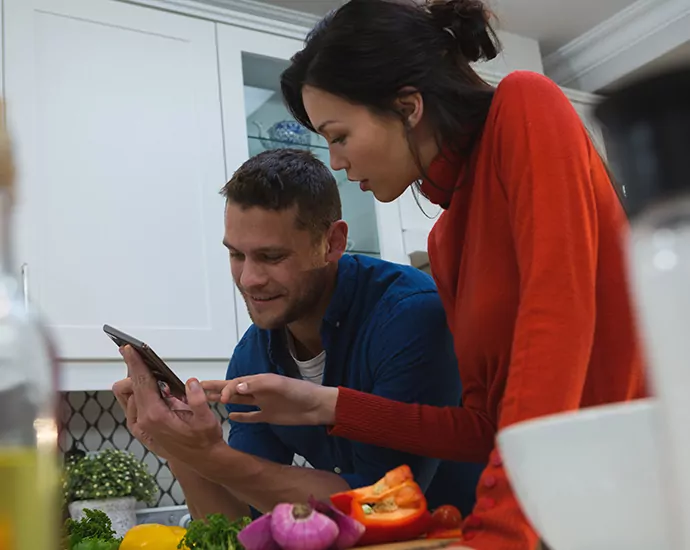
{"points": [[496, 460], [337, 324], [490, 482], [337, 470], [473, 521]]}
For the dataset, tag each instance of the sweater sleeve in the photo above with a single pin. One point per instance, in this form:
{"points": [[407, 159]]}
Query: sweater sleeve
{"points": [[448, 433], [542, 160]]}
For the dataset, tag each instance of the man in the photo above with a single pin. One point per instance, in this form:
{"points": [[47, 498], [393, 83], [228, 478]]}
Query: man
{"points": [[320, 315]]}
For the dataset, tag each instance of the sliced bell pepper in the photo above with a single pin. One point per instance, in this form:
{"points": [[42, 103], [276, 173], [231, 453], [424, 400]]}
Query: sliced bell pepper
{"points": [[393, 509]]}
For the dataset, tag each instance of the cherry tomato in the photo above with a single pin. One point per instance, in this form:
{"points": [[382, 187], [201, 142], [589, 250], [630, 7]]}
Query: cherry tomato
{"points": [[446, 517]]}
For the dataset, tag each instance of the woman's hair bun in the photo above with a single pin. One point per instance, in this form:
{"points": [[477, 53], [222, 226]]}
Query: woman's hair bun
{"points": [[468, 23]]}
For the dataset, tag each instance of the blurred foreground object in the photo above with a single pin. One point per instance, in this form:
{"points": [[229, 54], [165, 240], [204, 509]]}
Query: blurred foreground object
{"points": [[29, 497], [648, 126]]}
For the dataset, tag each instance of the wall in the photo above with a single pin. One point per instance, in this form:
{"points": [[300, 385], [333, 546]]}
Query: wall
{"points": [[519, 53]]}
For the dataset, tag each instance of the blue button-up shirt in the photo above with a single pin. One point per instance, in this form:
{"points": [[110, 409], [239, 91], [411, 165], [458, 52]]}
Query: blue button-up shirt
{"points": [[384, 333]]}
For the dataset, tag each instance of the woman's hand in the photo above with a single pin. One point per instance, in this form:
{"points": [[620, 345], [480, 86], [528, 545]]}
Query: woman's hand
{"points": [[281, 400]]}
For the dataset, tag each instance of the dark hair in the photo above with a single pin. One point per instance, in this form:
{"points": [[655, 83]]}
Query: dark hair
{"points": [[367, 51], [278, 179]]}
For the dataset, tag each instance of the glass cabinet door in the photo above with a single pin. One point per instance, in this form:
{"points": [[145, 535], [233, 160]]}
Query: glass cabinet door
{"points": [[255, 119]]}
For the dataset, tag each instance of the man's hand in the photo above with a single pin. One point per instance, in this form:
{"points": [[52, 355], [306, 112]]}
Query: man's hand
{"points": [[123, 391], [179, 434], [282, 401]]}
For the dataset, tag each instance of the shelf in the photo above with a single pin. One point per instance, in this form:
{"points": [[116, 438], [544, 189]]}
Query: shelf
{"points": [[358, 207], [279, 143]]}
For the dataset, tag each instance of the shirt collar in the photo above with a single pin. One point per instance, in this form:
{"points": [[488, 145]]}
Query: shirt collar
{"points": [[443, 176]]}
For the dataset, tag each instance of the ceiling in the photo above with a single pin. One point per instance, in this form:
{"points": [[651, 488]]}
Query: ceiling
{"points": [[552, 22]]}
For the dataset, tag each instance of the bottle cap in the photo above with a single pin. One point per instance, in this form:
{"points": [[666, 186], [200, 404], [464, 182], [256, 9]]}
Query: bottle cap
{"points": [[647, 126]]}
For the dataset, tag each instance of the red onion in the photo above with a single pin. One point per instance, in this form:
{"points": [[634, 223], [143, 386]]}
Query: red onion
{"points": [[257, 535], [350, 530], [300, 527]]}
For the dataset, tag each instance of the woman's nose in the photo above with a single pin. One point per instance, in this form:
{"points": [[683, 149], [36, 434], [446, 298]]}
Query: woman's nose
{"points": [[338, 162]]}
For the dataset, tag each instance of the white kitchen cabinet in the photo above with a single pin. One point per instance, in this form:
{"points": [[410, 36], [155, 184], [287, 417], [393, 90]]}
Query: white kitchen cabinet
{"points": [[116, 116], [250, 64]]}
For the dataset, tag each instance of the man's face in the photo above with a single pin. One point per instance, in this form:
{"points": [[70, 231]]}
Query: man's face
{"points": [[279, 269]]}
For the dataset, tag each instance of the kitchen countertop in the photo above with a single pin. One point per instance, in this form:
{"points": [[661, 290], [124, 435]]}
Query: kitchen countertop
{"points": [[417, 545]]}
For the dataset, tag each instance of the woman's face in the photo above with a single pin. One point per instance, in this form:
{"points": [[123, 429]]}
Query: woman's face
{"points": [[371, 148]]}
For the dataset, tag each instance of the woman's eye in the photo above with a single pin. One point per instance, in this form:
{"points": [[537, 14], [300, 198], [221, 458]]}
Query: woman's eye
{"points": [[338, 140]]}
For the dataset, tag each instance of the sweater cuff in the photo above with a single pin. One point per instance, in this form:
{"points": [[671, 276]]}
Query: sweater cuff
{"points": [[353, 412]]}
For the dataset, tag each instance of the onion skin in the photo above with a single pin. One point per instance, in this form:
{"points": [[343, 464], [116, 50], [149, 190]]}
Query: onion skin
{"points": [[257, 535], [350, 530], [300, 527]]}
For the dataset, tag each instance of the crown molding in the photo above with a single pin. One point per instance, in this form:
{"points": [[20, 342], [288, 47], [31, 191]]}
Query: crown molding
{"points": [[630, 39], [248, 14]]}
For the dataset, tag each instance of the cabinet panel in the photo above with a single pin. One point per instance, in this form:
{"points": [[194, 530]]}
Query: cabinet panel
{"points": [[116, 113]]}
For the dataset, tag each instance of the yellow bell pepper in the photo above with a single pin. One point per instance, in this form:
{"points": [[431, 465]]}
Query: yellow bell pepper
{"points": [[152, 536]]}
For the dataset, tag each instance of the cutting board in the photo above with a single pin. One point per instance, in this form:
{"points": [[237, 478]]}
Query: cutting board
{"points": [[416, 545]]}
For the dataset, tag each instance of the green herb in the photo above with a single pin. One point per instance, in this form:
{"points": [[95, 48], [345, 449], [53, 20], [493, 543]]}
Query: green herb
{"points": [[93, 532], [216, 532], [95, 544], [107, 474]]}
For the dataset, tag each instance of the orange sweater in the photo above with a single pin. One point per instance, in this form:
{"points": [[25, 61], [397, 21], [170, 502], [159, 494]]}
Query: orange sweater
{"points": [[528, 259]]}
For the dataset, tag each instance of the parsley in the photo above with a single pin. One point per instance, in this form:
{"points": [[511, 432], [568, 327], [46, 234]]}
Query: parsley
{"points": [[216, 532], [93, 532]]}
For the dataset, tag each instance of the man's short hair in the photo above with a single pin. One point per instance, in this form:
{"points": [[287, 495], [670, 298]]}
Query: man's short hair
{"points": [[278, 179]]}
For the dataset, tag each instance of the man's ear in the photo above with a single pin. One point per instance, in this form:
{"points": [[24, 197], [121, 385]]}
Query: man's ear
{"points": [[410, 105], [336, 241]]}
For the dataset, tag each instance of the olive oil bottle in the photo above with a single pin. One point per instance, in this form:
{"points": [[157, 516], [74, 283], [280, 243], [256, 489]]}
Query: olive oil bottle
{"points": [[29, 483]]}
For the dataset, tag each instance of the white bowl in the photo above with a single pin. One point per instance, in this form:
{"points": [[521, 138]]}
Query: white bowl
{"points": [[591, 479]]}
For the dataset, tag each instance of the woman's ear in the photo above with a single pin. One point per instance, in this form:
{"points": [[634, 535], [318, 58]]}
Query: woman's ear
{"points": [[410, 105], [336, 241]]}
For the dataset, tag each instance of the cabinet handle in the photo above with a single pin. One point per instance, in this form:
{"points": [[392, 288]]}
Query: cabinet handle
{"points": [[25, 284]]}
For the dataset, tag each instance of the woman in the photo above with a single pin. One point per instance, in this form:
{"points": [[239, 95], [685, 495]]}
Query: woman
{"points": [[527, 254]]}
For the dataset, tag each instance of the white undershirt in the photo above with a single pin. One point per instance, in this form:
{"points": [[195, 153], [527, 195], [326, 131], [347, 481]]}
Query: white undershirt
{"points": [[311, 369]]}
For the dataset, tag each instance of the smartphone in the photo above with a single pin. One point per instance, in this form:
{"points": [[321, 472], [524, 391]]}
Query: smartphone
{"points": [[168, 382]]}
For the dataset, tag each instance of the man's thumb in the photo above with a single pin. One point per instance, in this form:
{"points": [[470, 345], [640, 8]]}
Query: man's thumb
{"points": [[196, 397]]}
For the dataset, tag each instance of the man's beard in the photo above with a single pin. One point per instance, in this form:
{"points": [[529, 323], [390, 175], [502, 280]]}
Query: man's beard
{"points": [[315, 282]]}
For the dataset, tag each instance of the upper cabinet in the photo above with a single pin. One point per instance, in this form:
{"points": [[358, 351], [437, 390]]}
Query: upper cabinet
{"points": [[255, 119], [116, 116]]}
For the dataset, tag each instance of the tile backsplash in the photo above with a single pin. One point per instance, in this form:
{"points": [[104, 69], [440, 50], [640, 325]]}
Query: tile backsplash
{"points": [[92, 421]]}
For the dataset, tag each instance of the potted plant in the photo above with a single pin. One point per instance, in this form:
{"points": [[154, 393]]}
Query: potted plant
{"points": [[110, 480]]}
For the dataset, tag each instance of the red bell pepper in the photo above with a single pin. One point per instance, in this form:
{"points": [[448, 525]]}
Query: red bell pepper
{"points": [[393, 509]]}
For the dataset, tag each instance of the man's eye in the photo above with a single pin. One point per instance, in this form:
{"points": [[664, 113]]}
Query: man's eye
{"points": [[236, 255], [274, 259]]}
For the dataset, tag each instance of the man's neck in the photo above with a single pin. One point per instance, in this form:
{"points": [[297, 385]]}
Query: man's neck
{"points": [[306, 331]]}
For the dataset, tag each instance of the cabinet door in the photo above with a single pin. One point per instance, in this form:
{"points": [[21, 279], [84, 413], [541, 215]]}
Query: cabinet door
{"points": [[250, 66], [115, 111]]}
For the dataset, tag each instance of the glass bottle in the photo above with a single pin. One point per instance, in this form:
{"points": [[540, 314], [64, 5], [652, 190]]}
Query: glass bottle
{"points": [[648, 126], [29, 483]]}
